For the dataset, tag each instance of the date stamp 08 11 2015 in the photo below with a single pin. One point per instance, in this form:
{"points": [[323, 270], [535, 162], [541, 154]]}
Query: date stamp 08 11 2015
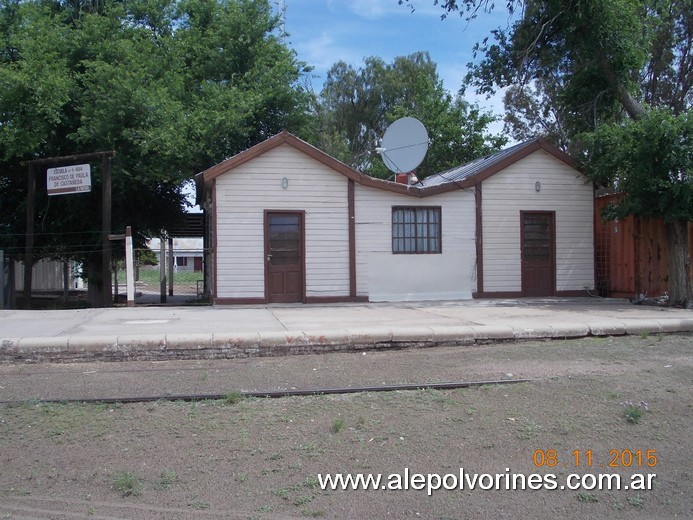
{"points": [[585, 458]]}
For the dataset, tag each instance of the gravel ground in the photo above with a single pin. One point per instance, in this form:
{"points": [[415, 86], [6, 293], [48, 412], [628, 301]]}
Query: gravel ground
{"points": [[260, 458]]}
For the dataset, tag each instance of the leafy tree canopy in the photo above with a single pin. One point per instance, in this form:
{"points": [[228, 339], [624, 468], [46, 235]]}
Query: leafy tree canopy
{"points": [[616, 79], [173, 86], [593, 59], [650, 159], [357, 104]]}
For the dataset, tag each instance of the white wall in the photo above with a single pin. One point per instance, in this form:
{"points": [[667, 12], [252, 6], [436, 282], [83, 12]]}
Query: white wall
{"points": [[563, 190], [241, 198], [48, 275], [384, 276]]}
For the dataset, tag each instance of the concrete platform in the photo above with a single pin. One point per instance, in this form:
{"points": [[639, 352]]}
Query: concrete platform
{"points": [[163, 333]]}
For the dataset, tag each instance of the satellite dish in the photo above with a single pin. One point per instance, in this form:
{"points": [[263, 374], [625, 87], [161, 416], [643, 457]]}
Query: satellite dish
{"points": [[404, 145]]}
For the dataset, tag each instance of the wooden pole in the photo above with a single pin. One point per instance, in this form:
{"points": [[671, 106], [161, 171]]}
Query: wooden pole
{"points": [[66, 280], [105, 231], [29, 244]]}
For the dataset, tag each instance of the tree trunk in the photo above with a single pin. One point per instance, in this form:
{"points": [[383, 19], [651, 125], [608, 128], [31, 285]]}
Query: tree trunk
{"points": [[632, 107], [94, 281], [680, 284]]}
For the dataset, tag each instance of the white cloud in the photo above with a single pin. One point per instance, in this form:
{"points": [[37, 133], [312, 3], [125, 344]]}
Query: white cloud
{"points": [[371, 9]]}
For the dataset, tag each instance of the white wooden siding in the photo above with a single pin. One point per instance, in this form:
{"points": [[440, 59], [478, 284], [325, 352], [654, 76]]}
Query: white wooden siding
{"points": [[384, 276], [563, 190], [47, 275], [244, 194]]}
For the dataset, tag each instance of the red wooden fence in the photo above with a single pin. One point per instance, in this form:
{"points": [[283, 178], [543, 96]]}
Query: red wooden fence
{"points": [[631, 254]]}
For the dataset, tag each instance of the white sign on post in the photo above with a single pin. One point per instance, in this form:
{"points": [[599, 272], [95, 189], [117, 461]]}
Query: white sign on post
{"points": [[68, 179]]}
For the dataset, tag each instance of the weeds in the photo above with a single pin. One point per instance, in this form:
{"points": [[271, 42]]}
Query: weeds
{"points": [[361, 422], [338, 425], [311, 482], [527, 431], [200, 504], [234, 397], [166, 480], [634, 412], [281, 493], [636, 501], [127, 483], [303, 500]]}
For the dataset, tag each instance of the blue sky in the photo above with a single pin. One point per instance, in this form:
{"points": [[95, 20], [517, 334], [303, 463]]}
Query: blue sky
{"points": [[323, 32]]}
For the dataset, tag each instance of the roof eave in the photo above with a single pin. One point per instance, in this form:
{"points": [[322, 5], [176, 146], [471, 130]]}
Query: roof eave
{"points": [[533, 146], [289, 139]]}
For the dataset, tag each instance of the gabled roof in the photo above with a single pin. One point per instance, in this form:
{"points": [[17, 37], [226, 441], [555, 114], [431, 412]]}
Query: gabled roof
{"points": [[460, 177], [285, 138], [480, 169]]}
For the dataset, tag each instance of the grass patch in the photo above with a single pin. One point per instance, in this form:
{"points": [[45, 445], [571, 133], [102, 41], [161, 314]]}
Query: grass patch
{"points": [[528, 431], [166, 480], [303, 500], [127, 483], [234, 397], [634, 412], [200, 504], [152, 277], [636, 501], [338, 425], [281, 493]]}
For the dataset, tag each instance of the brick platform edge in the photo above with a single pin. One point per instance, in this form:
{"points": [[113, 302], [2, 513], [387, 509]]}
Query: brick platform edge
{"points": [[73, 349]]}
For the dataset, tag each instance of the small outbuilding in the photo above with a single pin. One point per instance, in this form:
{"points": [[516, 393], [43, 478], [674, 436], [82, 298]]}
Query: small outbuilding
{"points": [[288, 223]]}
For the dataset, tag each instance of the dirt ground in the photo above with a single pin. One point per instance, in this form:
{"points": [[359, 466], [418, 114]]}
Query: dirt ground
{"points": [[260, 458]]}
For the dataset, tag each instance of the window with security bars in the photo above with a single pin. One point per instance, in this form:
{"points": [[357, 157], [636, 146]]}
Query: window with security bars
{"points": [[416, 230]]}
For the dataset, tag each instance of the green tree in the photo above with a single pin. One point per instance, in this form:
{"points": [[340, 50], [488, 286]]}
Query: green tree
{"points": [[530, 113], [172, 86], [614, 68], [650, 160], [357, 104]]}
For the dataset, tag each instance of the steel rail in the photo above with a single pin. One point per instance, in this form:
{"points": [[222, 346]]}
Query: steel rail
{"points": [[272, 394]]}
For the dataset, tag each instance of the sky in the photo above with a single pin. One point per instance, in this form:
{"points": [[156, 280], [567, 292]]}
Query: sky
{"points": [[323, 32]]}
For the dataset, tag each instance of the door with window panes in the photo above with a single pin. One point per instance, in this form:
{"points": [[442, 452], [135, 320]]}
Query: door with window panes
{"points": [[537, 242], [284, 262]]}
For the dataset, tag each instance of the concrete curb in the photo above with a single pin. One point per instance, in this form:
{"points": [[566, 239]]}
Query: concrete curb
{"points": [[677, 325], [258, 344]]}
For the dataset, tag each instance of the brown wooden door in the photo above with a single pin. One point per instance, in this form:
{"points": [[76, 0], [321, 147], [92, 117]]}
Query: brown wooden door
{"points": [[284, 270], [538, 240]]}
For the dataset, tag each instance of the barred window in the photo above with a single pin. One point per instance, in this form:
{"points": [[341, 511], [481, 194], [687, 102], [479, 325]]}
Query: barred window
{"points": [[416, 230]]}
